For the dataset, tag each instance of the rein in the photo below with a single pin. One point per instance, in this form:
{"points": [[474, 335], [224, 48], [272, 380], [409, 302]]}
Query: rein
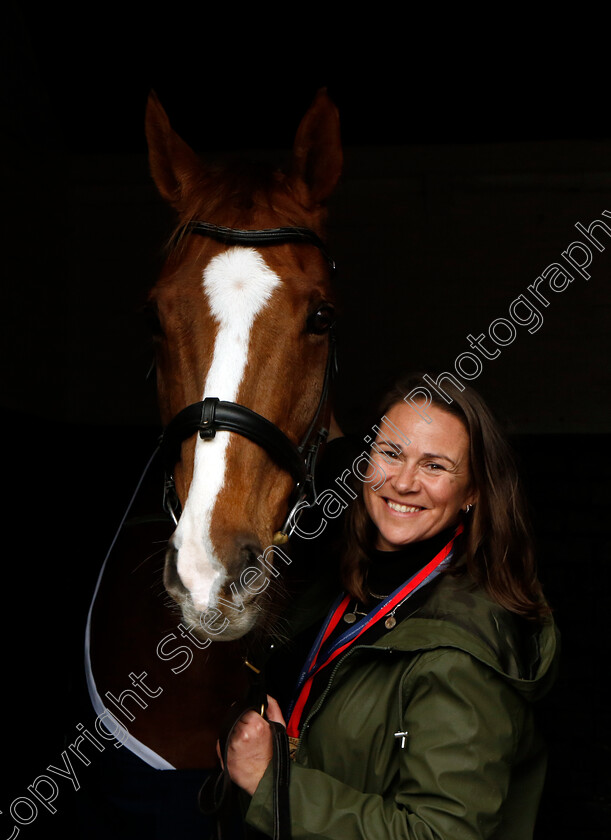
{"points": [[217, 794]]}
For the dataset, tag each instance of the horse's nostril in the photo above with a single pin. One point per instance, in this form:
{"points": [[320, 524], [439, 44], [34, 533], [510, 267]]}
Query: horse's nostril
{"points": [[171, 578], [248, 550], [249, 554], [242, 557]]}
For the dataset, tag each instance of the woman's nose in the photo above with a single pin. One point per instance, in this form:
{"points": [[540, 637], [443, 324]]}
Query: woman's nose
{"points": [[405, 479]]}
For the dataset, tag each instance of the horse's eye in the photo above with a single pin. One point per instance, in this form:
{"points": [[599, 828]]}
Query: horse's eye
{"points": [[322, 320]]}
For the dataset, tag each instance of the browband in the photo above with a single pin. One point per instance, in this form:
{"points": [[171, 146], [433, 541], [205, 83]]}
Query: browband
{"points": [[269, 236]]}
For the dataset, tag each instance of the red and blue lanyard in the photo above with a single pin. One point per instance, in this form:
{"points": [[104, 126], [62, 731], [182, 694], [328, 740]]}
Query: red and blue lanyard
{"points": [[319, 658]]}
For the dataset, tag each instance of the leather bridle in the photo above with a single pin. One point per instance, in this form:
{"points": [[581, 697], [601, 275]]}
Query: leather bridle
{"points": [[211, 415]]}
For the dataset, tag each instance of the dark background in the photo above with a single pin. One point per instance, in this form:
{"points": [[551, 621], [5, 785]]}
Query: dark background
{"points": [[472, 149]]}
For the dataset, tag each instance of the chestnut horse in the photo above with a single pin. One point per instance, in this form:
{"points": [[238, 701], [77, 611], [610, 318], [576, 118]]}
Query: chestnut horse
{"points": [[243, 312]]}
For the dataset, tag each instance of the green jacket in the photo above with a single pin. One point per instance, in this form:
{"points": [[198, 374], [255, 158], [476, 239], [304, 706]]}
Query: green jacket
{"points": [[459, 676]]}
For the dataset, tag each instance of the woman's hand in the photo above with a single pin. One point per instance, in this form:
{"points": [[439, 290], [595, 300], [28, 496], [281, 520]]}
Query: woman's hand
{"points": [[250, 749]]}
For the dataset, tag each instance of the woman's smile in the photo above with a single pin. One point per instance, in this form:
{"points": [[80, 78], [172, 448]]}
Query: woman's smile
{"points": [[401, 508]]}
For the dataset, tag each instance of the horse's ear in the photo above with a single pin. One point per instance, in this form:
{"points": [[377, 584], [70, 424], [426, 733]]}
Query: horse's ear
{"points": [[174, 165], [317, 152]]}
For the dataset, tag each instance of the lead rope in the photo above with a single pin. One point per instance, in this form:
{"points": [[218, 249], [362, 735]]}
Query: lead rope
{"points": [[217, 794], [282, 770]]}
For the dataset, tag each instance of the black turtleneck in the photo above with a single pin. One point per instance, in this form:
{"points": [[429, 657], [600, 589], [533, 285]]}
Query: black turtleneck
{"points": [[389, 569]]}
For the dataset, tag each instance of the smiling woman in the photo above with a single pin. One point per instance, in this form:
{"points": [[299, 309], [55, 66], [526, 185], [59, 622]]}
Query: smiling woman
{"points": [[476, 483], [427, 483], [413, 714]]}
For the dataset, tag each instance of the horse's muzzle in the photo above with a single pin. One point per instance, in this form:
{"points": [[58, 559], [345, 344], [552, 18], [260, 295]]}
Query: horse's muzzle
{"points": [[219, 602]]}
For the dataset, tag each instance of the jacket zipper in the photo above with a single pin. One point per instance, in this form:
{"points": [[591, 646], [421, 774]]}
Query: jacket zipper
{"points": [[323, 696]]}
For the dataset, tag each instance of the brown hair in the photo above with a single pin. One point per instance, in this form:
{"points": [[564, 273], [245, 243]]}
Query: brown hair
{"points": [[497, 543]]}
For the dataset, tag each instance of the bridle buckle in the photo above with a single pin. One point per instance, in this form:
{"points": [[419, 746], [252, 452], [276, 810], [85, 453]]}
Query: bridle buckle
{"points": [[206, 425]]}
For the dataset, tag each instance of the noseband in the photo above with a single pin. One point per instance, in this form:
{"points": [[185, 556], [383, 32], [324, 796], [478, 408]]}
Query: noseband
{"points": [[211, 415]]}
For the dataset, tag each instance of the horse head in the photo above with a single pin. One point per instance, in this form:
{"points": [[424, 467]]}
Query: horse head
{"points": [[244, 311]]}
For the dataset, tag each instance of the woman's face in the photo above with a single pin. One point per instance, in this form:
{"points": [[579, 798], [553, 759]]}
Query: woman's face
{"points": [[425, 483]]}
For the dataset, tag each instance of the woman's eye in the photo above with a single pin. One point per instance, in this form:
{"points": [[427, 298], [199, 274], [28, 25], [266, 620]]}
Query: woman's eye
{"points": [[434, 467], [321, 321], [388, 458]]}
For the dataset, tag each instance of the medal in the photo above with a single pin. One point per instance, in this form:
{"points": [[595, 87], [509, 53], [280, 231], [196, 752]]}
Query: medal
{"points": [[351, 617]]}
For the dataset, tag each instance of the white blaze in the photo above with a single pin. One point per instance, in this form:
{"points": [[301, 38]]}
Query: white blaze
{"points": [[238, 284]]}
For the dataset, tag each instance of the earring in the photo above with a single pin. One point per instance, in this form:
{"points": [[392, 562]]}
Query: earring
{"points": [[468, 508]]}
